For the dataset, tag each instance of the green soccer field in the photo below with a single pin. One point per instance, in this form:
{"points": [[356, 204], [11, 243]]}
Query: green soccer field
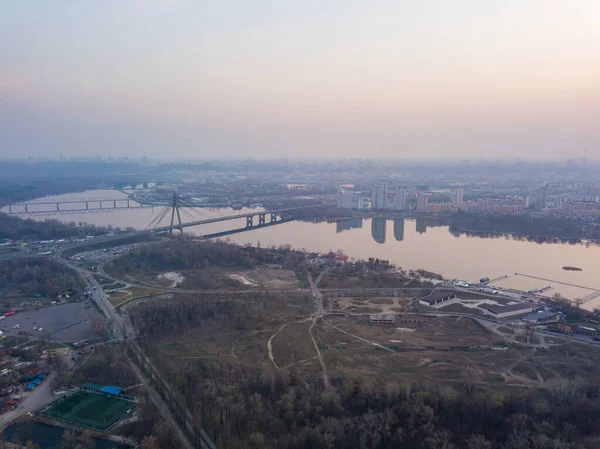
{"points": [[89, 410]]}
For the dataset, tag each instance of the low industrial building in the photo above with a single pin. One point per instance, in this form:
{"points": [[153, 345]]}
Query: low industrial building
{"points": [[91, 388], [586, 330], [437, 297], [540, 318], [513, 309], [576, 329], [382, 320]]}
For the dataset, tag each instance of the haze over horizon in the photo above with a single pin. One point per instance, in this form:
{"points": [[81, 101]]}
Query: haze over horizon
{"points": [[198, 79]]}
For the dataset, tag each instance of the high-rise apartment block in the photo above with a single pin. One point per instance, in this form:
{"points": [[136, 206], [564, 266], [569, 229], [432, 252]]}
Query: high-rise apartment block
{"points": [[541, 198], [400, 199], [457, 197], [422, 202], [379, 196]]}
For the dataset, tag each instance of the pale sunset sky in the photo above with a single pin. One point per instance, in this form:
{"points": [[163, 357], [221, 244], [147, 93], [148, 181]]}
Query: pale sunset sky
{"points": [[305, 78]]}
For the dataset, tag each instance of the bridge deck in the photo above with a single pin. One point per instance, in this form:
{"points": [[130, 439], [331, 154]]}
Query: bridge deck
{"points": [[226, 218]]}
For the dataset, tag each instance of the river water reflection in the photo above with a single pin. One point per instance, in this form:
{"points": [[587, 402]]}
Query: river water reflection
{"points": [[410, 244]]}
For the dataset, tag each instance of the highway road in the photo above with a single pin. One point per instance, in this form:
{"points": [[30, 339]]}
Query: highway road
{"points": [[120, 328]]}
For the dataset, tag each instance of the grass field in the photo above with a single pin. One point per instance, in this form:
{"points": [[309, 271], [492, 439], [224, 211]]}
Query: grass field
{"points": [[117, 298], [136, 292], [89, 410]]}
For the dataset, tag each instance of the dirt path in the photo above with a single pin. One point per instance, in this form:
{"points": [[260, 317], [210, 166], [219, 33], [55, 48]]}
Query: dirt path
{"points": [[519, 360], [492, 327], [270, 344], [358, 338], [301, 361], [270, 349], [321, 361], [232, 351]]}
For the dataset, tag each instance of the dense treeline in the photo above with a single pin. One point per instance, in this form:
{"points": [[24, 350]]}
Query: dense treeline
{"points": [[15, 228], [540, 229], [183, 253], [107, 366], [17, 192], [249, 406], [29, 276], [203, 264], [373, 273], [222, 311]]}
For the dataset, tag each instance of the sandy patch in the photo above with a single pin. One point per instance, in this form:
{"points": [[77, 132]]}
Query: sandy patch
{"points": [[242, 279], [173, 276], [405, 329]]}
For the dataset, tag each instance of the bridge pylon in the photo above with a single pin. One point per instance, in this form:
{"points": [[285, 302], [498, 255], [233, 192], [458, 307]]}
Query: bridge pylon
{"points": [[175, 208]]}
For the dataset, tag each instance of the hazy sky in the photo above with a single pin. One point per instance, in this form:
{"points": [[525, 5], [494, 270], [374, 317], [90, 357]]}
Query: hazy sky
{"points": [[335, 78]]}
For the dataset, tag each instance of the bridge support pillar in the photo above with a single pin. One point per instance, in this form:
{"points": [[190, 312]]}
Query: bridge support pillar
{"points": [[10, 208], [114, 204], [273, 218], [87, 206], [261, 219], [57, 209], [249, 223]]}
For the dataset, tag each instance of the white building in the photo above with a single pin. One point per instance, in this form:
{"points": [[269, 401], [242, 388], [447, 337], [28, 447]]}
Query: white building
{"points": [[382, 320], [400, 199], [379, 196], [349, 200], [457, 197], [528, 201]]}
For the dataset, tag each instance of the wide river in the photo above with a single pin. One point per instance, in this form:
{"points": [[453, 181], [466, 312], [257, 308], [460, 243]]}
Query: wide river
{"points": [[409, 244]]}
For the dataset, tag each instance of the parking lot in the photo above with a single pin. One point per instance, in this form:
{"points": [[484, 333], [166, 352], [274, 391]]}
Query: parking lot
{"points": [[64, 323]]}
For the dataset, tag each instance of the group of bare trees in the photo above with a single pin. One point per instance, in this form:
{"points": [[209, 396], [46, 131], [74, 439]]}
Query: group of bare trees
{"points": [[372, 273], [30, 276], [183, 253], [251, 405], [204, 264]]}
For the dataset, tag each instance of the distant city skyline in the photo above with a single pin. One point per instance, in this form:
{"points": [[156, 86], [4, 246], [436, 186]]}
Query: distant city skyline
{"points": [[192, 79]]}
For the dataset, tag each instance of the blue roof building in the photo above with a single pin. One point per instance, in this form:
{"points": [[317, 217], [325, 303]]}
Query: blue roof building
{"points": [[108, 389]]}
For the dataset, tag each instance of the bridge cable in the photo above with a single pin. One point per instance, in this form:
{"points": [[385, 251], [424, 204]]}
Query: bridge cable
{"points": [[192, 208], [156, 220], [158, 217]]}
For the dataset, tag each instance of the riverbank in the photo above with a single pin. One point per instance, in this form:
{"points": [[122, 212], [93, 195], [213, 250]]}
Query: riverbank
{"points": [[536, 238], [408, 240]]}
